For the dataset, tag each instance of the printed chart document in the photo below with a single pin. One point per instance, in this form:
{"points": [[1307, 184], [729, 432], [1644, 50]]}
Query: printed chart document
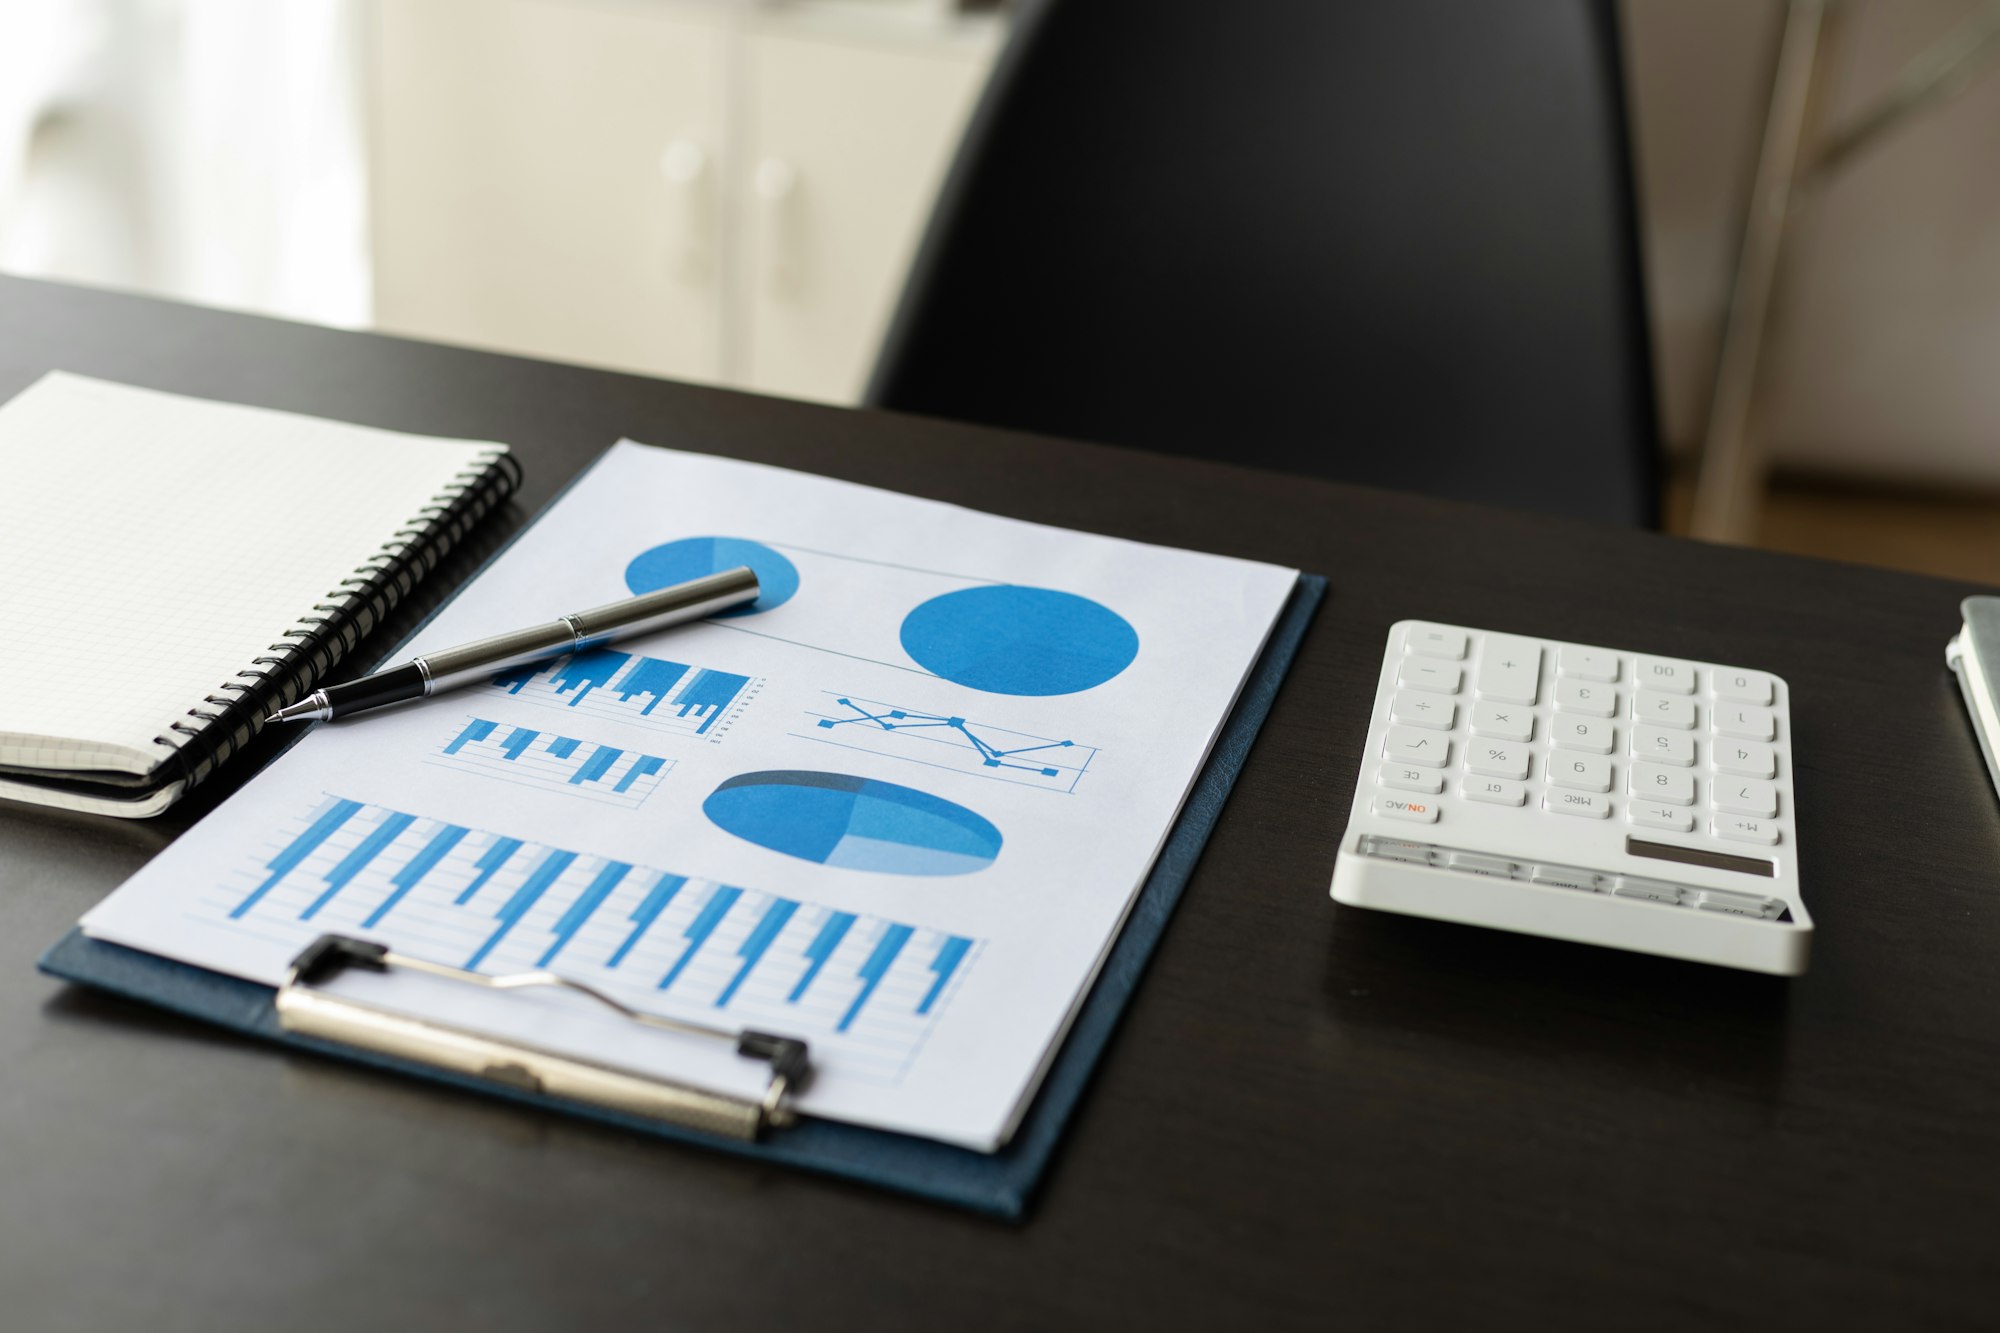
{"points": [[897, 807]]}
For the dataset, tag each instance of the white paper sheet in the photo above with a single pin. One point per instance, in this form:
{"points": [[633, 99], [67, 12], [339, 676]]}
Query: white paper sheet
{"points": [[901, 813]]}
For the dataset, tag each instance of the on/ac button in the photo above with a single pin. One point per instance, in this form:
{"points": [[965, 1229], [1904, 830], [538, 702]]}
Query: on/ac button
{"points": [[1396, 807]]}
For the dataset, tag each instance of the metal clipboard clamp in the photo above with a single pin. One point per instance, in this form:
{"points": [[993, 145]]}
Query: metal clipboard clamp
{"points": [[307, 1010], [1974, 656]]}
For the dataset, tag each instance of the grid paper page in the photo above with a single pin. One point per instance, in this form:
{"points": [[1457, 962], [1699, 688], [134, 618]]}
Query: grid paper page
{"points": [[152, 545]]}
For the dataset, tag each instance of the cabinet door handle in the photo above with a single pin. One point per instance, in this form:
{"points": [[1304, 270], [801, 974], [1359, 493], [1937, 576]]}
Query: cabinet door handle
{"points": [[777, 187], [685, 165]]}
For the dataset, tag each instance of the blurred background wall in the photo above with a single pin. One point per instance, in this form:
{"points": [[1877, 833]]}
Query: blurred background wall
{"points": [[1888, 321], [208, 149], [730, 190]]}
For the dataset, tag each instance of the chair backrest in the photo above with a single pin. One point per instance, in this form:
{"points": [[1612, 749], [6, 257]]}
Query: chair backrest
{"points": [[1390, 242]]}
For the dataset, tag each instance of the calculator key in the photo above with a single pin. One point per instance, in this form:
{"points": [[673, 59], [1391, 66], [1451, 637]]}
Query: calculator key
{"points": [[1510, 669], [1564, 878], [1416, 673], [1747, 721], [1496, 759], [1662, 746], [1499, 867], [1422, 709], [1663, 710], [1744, 829], [1414, 745], [1647, 890], [1436, 641], [1396, 807], [1580, 803], [1407, 777], [1745, 687], [1507, 722], [1746, 796], [1584, 772], [1749, 758], [1734, 904], [1675, 786], [1588, 664], [1587, 696], [1652, 814], [1396, 849], [1494, 791], [1583, 733], [1659, 673]]}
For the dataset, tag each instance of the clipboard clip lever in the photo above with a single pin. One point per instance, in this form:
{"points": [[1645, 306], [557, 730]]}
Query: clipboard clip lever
{"points": [[306, 1008]]}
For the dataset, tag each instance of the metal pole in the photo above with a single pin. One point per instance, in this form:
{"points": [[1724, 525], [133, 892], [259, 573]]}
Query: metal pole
{"points": [[1729, 485]]}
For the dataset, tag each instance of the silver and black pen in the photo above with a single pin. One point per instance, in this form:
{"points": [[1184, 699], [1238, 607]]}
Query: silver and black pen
{"points": [[452, 667]]}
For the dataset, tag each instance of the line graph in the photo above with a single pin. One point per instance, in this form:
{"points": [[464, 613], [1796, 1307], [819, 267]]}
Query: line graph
{"points": [[944, 740]]}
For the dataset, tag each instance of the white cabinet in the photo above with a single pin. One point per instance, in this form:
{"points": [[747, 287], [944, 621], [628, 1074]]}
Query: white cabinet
{"points": [[718, 191], [849, 143], [518, 196]]}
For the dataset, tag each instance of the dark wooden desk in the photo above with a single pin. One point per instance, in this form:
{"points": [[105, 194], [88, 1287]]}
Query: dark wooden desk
{"points": [[1311, 1113]]}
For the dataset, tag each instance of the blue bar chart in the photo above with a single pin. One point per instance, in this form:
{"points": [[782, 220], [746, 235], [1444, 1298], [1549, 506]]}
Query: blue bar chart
{"points": [[865, 988], [551, 761], [940, 740], [649, 691]]}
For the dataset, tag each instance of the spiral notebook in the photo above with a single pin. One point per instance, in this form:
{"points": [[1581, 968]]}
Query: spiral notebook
{"points": [[172, 569]]}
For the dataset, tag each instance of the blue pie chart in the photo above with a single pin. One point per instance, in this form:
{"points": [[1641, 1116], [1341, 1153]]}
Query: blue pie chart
{"points": [[835, 819], [698, 557], [1006, 638]]}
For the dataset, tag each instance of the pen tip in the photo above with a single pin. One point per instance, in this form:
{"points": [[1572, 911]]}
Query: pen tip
{"points": [[312, 708]]}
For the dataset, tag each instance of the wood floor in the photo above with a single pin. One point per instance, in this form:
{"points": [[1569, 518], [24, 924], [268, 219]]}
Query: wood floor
{"points": [[1926, 532]]}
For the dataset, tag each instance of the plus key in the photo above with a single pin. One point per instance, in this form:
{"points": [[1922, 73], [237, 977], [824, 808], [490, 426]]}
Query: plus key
{"points": [[1510, 670]]}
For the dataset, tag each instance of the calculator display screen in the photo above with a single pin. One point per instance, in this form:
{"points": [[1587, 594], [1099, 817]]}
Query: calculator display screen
{"points": [[1698, 856]]}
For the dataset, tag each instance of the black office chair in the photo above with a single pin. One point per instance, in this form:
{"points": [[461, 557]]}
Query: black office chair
{"points": [[1390, 242]]}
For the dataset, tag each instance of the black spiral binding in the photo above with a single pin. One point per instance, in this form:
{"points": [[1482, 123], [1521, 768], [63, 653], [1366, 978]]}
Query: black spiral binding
{"points": [[234, 711]]}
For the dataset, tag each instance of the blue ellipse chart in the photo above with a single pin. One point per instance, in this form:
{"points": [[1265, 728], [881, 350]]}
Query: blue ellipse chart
{"points": [[1008, 639], [696, 557], [835, 819]]}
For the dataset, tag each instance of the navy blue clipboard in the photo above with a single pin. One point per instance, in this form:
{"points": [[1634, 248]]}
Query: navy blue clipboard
{"points": [[999, 1184]]}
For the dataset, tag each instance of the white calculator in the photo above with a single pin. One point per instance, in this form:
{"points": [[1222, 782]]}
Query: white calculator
{"points": [[1638, 801]]}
